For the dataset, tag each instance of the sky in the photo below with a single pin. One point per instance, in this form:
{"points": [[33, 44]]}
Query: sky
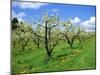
{"points": [[83, 15]]}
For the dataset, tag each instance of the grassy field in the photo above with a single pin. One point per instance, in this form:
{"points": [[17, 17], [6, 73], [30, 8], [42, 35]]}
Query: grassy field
{"points": [[63, 58]]}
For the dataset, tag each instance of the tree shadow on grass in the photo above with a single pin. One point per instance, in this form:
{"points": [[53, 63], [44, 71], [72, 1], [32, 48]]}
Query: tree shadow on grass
{"points": [[69, 53], [64, 53]]}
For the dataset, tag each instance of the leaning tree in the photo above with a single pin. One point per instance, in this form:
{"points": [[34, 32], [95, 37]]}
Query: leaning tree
{"points": [[71, 32], [51, 34], [37, 32], [82, 38], [23, 34], [48, 33]]}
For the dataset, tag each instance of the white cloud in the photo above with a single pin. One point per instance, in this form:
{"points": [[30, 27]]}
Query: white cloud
{"points": [[20, 15], [30, 5], [76, 21], [89, 25], [92, 20]]}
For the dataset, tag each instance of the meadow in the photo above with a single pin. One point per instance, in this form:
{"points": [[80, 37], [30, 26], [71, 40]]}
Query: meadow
{"points": [[64, 58]]}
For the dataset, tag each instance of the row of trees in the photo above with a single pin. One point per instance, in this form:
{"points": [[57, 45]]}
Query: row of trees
{"points": [[49, 32]]}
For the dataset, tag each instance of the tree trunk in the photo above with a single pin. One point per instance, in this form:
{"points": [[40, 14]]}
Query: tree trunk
{"points": [[38, 43], [49, 54], [25, 44], [71, 44], [23, 47], [46, 39], [46, 42]]}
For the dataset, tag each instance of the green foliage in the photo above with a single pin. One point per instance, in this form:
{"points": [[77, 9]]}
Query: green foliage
{"points": [[64, 58], [22, 35]]}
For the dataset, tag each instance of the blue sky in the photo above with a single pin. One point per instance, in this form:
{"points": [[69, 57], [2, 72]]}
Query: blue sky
{"points": [[80, 14]]}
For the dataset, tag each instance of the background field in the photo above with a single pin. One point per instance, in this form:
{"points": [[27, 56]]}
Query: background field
{"points": [[63, 58]]}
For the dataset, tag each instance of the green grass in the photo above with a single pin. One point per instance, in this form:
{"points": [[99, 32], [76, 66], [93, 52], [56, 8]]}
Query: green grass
{"points": [[63, 58]]}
